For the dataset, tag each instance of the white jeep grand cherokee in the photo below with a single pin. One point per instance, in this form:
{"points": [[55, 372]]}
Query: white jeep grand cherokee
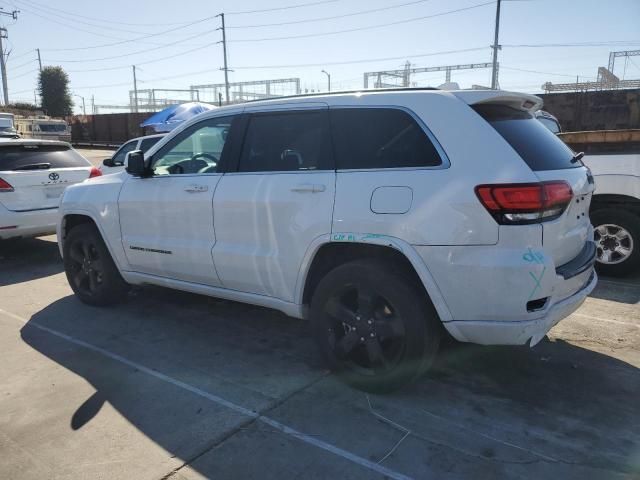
{"points": [[382, 217]]}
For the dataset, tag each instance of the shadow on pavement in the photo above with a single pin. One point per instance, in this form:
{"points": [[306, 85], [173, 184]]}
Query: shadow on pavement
{"points": [[574, 399], [26, 259], [618, 289]]}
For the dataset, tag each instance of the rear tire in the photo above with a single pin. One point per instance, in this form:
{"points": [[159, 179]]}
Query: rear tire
{"points": [[617, 236], [374, 326], [90, 270]]}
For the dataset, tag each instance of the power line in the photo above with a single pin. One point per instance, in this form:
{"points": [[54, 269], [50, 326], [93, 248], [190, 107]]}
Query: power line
{"points": [[146, 50], [334, 17], [23, 64], [111, 21], [54, 12], [32, 12], [146, 62], [358, 29], [23, 74], [133, 39], [368, 60], [583, 44], [275, 9], [502, 67]]}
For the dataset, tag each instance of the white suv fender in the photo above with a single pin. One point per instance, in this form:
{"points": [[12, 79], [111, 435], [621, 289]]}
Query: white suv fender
{"points": [[380, 240], [100, 204], [613, 184]]}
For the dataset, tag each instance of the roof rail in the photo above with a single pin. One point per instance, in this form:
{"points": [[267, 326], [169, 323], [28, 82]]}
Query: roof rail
{"points": [[342, 92]]}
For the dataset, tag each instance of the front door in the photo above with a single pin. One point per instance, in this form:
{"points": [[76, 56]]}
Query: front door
{"points": [[279, 200], [166, 219]]}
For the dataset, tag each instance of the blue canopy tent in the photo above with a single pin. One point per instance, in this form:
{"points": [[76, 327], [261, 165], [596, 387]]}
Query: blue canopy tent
{"points": [[171, 117]]}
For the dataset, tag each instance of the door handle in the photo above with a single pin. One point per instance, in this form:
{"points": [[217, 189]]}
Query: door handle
{"points": [[196, 188], [309, 188]]}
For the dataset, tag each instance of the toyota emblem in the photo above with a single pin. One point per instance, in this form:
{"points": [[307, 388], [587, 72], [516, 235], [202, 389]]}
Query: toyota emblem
{"points": [[54, 176]]}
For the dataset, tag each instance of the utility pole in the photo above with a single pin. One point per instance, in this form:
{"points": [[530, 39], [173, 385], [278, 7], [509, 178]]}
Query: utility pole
{"points": [[3, 66], [496, 47], [3, 57], [224, 51], [93, 104], [328, 80], [39, 59], [135, 90]]}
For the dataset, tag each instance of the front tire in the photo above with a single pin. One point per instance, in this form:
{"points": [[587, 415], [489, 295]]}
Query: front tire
{"points": [[90, 270], [375, 327], [617, 237]]}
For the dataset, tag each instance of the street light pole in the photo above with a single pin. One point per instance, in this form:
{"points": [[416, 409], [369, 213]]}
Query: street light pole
{"points": [[328, 80], [84, 109]]}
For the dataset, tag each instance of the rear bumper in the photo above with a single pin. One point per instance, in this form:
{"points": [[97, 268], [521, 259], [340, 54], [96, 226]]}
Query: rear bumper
{"points": [[510, 293], [27, 224], [519, 332]]}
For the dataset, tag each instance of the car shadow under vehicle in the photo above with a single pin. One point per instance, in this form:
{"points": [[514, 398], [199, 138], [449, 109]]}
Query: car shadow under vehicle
{"points": [[26, 259], [573, 404], [618, 289]]}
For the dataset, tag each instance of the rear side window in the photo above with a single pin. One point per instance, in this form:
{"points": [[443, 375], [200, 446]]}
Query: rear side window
{"points": [[380, 138], [537, 146], [147, 143], [288, 141], [34, 157]]}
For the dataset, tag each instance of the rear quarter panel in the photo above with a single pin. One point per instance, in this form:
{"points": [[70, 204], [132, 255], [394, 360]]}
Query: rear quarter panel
{"points": [[444, 208]]}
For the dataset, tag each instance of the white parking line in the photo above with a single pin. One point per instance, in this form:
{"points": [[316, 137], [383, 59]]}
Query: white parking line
{"points": [[219, 400]]}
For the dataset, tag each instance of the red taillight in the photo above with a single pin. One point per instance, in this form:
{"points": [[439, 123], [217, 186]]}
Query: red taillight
{"points": [[94, 172], [525, 202], [5, 186]]}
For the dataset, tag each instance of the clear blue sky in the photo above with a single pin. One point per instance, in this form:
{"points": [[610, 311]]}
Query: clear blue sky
{"points": [[57, 27]]}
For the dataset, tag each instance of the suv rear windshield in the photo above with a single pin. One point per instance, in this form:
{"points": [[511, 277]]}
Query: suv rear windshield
{"points": [[537, 146], [33, 157]]}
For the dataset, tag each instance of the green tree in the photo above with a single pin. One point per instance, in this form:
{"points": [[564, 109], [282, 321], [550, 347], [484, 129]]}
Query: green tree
{"points": [[54, 92]]}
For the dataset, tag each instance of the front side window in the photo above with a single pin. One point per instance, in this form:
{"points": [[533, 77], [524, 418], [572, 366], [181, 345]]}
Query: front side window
{"points": [[372, 138], [118, 158], [147, 143], [286, 141], [196, 150]]}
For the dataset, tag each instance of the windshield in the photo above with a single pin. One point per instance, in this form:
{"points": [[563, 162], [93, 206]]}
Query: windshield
{"points": [[20, 157], [535, 144]]}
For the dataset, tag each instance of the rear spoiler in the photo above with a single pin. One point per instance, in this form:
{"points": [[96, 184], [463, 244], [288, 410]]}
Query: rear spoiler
{"points": [[520, 101]]}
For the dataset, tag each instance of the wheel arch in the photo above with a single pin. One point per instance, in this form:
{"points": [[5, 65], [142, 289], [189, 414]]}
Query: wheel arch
{"points": [[74, 218], [608, 200], [329, 252]]}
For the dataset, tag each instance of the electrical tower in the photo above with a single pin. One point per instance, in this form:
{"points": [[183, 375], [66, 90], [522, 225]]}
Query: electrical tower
{"points": [[382, 78], [607, 80], [3, 55]]}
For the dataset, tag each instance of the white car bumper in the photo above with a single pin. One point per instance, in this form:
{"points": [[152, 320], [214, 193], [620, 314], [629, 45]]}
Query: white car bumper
{"points": [[33, 223], [507, 294], [519, 332]]}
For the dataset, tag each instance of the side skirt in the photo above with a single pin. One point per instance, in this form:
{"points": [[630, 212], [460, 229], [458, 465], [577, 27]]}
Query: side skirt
{"points": [[291, 309]]}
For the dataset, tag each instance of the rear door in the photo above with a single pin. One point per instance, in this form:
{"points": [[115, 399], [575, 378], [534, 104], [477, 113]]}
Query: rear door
{"points": [[38, 174], [551, 160], [277, 203]]}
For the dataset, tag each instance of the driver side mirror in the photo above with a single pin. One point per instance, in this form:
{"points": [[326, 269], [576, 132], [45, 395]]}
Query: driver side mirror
{"points": [[135, 164], [108, 162]]}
